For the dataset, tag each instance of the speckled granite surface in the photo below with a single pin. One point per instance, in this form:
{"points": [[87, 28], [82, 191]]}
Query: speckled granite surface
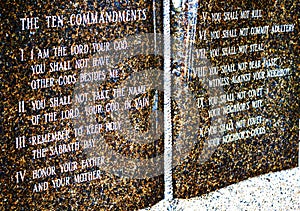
{"points": [[24, 44], [225, 151]]}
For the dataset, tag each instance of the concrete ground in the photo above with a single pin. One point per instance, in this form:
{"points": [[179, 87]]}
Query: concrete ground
{"points": [[273, 191]]}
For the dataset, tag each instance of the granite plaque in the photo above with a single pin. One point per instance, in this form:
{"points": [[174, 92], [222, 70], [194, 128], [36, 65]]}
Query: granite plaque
{"points": [[240, 61]]}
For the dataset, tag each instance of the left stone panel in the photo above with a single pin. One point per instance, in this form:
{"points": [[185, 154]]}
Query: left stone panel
{"points": [[81, 104]]}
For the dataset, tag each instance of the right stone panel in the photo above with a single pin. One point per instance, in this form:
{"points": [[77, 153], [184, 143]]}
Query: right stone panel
{"points": [[240, 62]]}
